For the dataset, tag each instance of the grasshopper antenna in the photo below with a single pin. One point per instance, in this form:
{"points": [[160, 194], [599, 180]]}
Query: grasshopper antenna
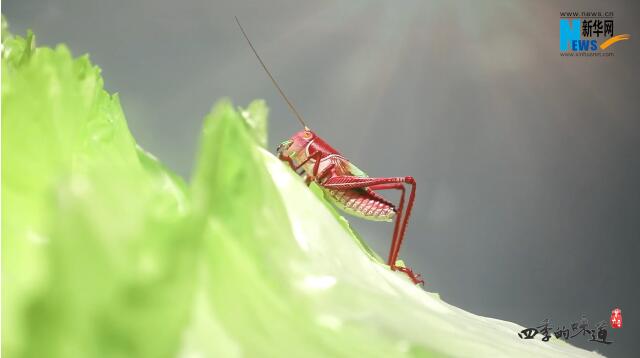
{"points": [[293, 109]]}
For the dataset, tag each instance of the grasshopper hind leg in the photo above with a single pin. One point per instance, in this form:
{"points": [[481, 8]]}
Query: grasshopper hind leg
{"points": [[402, 215]]}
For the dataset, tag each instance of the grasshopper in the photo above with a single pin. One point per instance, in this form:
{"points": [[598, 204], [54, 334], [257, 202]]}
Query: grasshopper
{"points": [[343, 184]]}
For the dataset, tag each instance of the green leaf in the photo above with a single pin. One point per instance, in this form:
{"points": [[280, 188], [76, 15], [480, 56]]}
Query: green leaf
{"points": [[256, 115], [101, 253]]}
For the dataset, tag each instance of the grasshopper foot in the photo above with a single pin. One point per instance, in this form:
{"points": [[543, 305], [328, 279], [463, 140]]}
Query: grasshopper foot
{"points": [[415, 278]]}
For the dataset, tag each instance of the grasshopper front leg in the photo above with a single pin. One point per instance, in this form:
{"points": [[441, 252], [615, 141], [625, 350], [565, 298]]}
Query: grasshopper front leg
{"points": [[307, 178]]}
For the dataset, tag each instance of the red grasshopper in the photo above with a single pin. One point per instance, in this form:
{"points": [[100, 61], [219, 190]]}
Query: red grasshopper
{"points": [[343, 184]]}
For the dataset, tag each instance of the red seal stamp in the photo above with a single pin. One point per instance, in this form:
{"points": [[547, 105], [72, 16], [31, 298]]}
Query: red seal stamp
{"points": [[616, 318]]}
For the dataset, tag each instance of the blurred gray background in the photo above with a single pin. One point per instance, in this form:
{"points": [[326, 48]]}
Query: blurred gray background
{"points": [[527, 163]]}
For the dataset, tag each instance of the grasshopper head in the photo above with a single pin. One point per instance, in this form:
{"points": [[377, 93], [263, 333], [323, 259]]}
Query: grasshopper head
{"points": [[294, 147]]}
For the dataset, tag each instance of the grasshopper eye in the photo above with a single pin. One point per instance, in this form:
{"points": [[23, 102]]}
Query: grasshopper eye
{"points": [[307, 135]]}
